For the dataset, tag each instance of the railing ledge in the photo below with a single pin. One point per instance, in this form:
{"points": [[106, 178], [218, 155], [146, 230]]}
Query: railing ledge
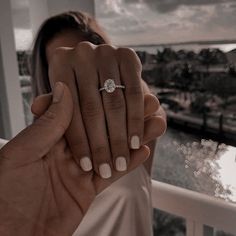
{"points": [[194, 206]]}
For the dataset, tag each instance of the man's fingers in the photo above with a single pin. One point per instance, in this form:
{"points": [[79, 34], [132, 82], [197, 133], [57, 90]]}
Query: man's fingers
{"points": [[41, 104], [35, 141], [153, 128], [151, 105]]}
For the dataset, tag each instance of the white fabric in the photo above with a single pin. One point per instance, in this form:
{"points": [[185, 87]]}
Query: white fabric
{"points": [[2, 142], [123, 209]]}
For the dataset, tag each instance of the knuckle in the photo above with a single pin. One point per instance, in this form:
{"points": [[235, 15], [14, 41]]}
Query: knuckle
{"points": [[83, 51], [136, 120], [126, 51], [90, 109], [134, 90], [119, 144], [115, 103], [105, 50], [130, 56], [49, 116], [59, 56], [84, 46]]}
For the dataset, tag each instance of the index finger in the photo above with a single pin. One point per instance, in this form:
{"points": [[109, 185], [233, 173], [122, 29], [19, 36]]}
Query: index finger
{"points": [[61, 69]]}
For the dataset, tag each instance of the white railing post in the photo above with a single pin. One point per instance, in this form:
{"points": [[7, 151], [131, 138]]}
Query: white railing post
{"points": [[189, 228], [202, 212], [11, 106], [194, 228], [208, 231]]}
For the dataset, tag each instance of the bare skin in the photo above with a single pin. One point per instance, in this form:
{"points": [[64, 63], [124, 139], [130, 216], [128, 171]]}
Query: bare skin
{"points": [[44, 191], [118, 116]]}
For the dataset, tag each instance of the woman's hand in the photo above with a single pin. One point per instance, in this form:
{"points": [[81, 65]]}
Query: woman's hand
{"points": [[99, 115], [42, 189]]}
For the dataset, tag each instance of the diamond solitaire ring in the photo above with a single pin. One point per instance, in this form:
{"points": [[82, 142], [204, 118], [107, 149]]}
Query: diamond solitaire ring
{"points": [[110, 86]]}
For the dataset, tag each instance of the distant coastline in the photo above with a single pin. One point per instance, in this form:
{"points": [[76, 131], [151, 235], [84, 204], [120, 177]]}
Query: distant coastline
{"points": [[199, 42], [196, 46]]}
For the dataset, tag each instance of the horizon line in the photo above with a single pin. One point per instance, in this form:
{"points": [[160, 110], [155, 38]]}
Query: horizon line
{"points": [[200, 42]]}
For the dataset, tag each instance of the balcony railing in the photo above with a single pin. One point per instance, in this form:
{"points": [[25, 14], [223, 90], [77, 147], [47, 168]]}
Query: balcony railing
{"points": [[202, 213]]}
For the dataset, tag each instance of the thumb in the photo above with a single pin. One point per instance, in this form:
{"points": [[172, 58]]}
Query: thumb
{"points": [[41, 104], [35, 141]]}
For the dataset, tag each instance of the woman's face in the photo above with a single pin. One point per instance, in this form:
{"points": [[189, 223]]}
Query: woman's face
{"points": [[69, 38]]}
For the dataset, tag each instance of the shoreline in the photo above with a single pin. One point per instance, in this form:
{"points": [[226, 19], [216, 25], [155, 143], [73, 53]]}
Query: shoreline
{"points": [[198, 126]]}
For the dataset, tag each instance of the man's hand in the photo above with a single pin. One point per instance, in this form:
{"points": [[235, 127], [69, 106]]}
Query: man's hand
{"points": [[43, 191]]}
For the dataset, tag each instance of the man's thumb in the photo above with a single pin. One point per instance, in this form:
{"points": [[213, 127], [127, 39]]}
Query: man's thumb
{"points": [[35, 141]]}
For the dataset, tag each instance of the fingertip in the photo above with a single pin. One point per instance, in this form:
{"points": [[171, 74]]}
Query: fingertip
{"points": [[151, 104], [147, 151], [34, 110], [154, 128], [163, 124], [140, 155], [34, 104], [40, 104]]}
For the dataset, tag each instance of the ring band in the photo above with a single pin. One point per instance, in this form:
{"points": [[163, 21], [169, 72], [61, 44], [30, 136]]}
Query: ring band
{"points": [[110, 86]]}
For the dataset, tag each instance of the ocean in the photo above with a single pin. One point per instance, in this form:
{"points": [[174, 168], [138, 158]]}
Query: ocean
{"points": [[195, 47]]}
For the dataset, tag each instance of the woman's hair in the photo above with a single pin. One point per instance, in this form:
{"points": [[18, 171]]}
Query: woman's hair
{"points": [[79, 21]]}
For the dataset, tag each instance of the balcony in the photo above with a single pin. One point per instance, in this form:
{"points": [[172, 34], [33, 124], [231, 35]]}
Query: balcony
{"points": [[203, 214]]}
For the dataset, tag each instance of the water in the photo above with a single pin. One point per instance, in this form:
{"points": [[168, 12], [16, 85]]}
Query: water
{"points": [[190, 162], [188, 47]]}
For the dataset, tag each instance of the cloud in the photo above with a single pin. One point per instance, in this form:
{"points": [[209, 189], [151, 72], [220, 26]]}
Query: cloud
{"points": [[138, 22], [109, 8], [165, 6]]}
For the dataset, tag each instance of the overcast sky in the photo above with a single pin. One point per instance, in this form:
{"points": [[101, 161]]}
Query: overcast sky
{"points": [[163, 21]]}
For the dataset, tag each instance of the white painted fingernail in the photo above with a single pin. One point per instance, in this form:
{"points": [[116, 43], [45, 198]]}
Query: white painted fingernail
{"points": [[135, 142], [86, 164], [121, 164], [105, 171]]}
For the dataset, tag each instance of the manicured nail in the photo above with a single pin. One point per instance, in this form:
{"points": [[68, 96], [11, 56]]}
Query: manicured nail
{"points": [[135, 142], [105, 171], [121, 164], [58, 92], [86, 164]]}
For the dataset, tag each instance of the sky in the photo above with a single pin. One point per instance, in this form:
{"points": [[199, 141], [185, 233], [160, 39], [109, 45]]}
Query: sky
{"points": [[132, 22]]}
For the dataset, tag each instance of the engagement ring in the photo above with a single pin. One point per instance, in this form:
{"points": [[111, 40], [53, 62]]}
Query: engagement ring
{"points": [[110, 86]]}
